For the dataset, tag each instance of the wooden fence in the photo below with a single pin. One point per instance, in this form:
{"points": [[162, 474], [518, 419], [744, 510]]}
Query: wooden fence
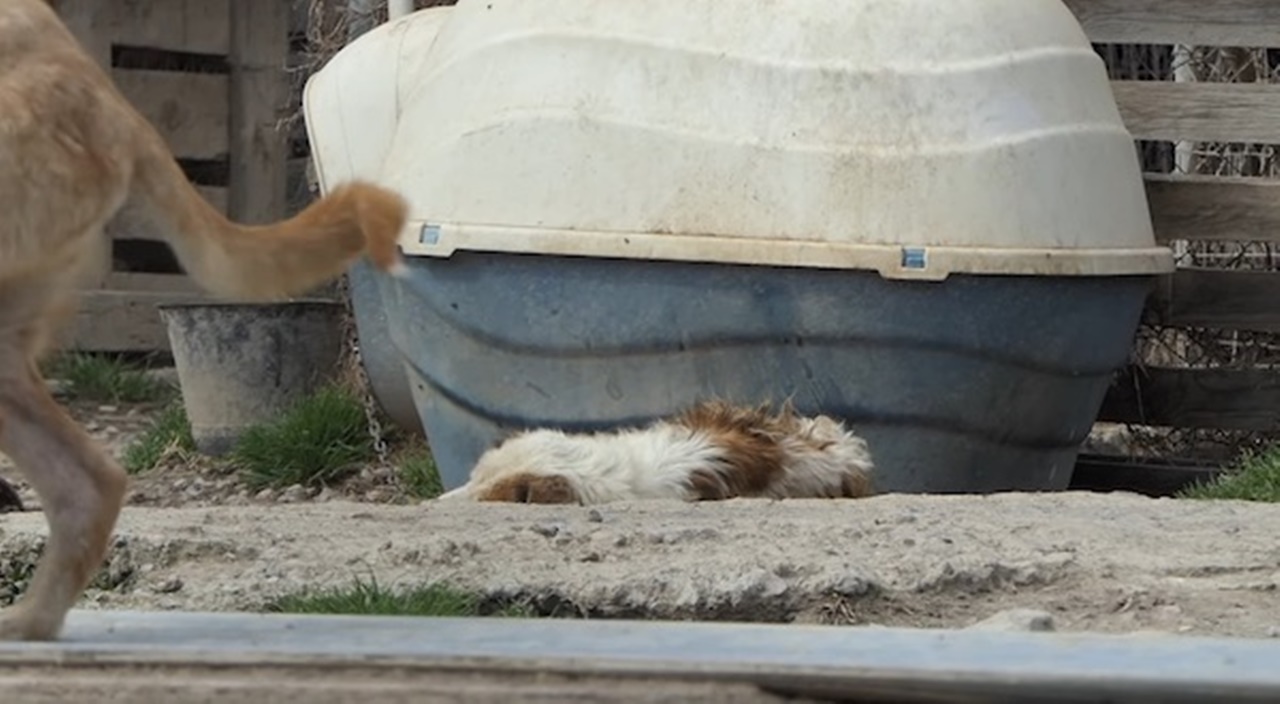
{"points": [[1201, 208], [209, 74]]}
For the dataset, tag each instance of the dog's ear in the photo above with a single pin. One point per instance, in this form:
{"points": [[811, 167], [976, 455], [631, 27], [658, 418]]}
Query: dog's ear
{"points": [[532, 489]]}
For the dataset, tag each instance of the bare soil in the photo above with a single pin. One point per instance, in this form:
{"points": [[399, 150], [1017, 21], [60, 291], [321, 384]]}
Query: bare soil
{"points": [[193, 539]]}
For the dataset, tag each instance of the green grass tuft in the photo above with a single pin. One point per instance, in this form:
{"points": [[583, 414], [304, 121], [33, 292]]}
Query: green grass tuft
{"points": [[105, 379], [1255, 477], [369, 599], [316, 442], [168, 436], [419, 474]]}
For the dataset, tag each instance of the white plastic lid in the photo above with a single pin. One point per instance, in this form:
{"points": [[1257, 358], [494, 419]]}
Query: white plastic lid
{"points": [[914, 137]]}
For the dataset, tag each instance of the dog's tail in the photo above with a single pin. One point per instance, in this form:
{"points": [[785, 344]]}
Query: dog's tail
{"points": [[265, 262]]}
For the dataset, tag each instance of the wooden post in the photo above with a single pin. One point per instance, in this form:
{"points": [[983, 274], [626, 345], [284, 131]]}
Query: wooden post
{"points": [[259, 96], [399, 8]]}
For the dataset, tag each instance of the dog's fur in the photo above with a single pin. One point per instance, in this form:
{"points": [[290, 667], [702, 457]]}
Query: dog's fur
{"points": [[712, 451], [75, 155]]}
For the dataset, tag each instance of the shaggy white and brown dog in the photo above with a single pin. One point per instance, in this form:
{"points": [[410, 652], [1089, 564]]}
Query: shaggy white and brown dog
{"points": [[712, 451]]}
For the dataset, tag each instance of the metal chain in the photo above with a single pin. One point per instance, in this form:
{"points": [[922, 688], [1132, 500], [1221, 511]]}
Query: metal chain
{"points": [[373, 426], [351, 335]]}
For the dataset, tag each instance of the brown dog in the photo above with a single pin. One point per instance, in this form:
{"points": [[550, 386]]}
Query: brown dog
{"points": [[73, 156]]}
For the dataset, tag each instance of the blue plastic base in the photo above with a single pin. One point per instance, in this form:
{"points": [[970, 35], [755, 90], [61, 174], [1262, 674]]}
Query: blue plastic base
{"points": [[381, 360], [974, 384]]}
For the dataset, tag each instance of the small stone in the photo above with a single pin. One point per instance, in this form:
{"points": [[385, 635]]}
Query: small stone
{"points": [[265, 495], [295, 494], [595, 516], [170, 586], [762, 583], [591, 557], [772, 586], [1017, 620], [1273, 632], [379, 495], [854, 586], [1169, 610], [621, 541], [546, 530], [108, 409]]}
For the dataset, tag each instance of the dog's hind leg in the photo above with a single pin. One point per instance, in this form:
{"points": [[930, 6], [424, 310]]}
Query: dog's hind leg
{"points": [[81, 489]]}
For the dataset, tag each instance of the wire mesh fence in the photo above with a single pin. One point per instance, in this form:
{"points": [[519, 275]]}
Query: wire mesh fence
{"points": [[1184, 347]]}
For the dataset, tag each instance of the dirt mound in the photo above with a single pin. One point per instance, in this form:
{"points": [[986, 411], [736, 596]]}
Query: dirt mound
{"points": [[1111, 563]]}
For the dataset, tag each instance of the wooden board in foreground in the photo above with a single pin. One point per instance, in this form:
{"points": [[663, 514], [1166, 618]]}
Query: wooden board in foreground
{"points": [[223, 658]]}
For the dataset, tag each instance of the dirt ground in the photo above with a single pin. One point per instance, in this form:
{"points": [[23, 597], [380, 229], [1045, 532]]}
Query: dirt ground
{"points": [[192, 539]]}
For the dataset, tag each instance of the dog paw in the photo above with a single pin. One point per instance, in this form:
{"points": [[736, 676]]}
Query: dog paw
{"points": [[19, 624], [532, 489]]}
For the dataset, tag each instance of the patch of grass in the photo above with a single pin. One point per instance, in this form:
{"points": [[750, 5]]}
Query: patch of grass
{"points": [[419, 474], [105, 379], [168, 436], [1256, 477], [316, 442], [367, 598]]}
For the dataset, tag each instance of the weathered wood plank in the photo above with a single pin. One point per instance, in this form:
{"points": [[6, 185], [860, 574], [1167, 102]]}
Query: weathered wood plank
{"points": [[135, 282], [1214, 208], [189, 109], [118, 231], [1212, 23], [259, 98], [197, 26], [1195, 398], [1218, 298], [1207, 112], [216, 196], [122, 321], [90, 22]]}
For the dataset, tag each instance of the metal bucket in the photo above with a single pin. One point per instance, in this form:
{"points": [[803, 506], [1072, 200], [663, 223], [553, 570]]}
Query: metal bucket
{"points": [[241, 365]]}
